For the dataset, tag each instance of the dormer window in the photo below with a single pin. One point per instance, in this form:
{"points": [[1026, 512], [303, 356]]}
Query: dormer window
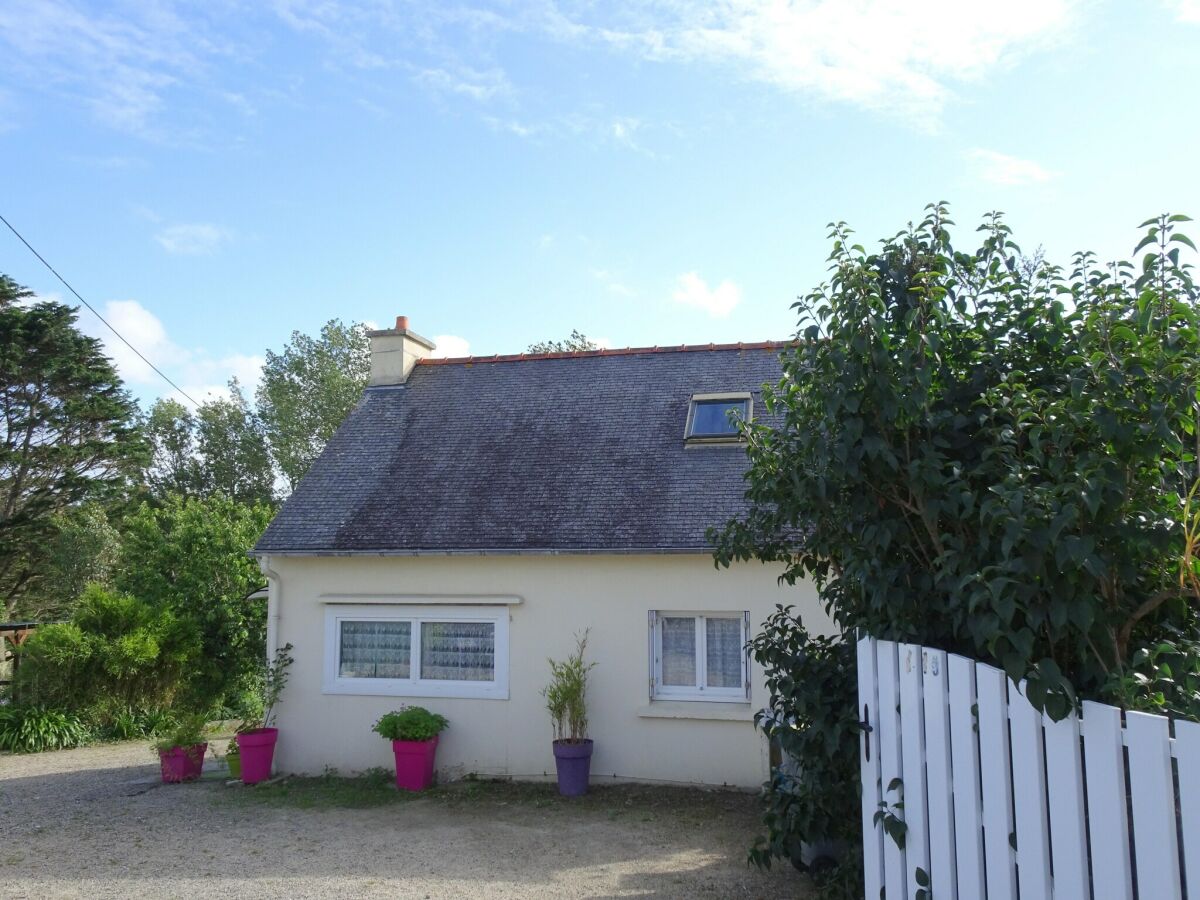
{"points": [[713, 418]]}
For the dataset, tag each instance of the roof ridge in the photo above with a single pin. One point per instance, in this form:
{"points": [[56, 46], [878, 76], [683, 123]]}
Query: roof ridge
{"points": [[626, 351]]}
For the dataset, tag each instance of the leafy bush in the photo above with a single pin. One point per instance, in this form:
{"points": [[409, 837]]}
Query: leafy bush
{"points": [[188, 732], [566, 695], [129, 723], [188, 557], [813, 795], [413, 723], [986, 454], [32, 729], [117, 654], [990, 457]]}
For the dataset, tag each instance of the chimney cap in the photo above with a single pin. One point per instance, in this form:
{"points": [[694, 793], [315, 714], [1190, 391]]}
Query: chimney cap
{"points": [[402, 323]]}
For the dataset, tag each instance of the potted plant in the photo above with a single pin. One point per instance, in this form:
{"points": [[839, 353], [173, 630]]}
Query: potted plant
{"points": [[413, 732], [233, 758], [256, 740], [181, 751], [566, 699]]}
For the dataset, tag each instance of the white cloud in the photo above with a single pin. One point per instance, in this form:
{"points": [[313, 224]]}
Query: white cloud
{"points": [[197, 239], [450, 346], [718, 302], [196, 370], [1007, 171], [1186, 10], [899, 55], [612, 283], [478, 85]]}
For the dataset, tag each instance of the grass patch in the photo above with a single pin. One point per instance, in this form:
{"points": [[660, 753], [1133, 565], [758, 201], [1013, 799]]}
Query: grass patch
{"points": [[376, 787]]}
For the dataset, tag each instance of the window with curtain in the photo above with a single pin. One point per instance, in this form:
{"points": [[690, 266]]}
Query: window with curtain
{"points": [[699, 656], [425, 651]]}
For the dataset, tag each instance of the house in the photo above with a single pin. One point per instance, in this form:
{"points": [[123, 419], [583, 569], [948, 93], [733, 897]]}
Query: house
{"points": [[472, 515]]}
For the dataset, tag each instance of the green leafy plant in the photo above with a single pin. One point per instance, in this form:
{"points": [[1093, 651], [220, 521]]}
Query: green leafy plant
{"points": [[271, 682], [990, 457], [412, 723], [32, 729], [566, 694], [190, 731], [813, 794]]}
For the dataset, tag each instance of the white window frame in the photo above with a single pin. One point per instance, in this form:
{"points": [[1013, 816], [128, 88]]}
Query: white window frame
{"points": [[415, 686], [699, 691]]}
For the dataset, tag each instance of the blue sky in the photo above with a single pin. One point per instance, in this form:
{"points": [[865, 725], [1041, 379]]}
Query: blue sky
{"points": [[214, 175]]}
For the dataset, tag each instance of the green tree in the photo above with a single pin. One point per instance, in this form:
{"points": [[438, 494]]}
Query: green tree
{"points": [[308, 389], [188, 556], [69, 430], [82, 549], [988, 461], [173, 468], [576, 342], [219, 449]]}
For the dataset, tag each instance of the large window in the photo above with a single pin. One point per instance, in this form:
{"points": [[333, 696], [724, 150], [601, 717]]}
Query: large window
{"points": [[699, 656], [713, 418], [419, 651]]}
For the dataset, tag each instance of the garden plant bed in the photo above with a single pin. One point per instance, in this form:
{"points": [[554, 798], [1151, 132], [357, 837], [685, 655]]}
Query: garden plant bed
{"points": [[95, 822]]}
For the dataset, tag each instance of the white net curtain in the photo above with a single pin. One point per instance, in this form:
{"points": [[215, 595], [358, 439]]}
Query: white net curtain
{"points": [[723, 642], [679, 651], [375, 650], [458, 651]]}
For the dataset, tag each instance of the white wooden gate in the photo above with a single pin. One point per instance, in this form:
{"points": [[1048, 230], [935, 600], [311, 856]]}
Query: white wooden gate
{"points": [[1000, 802]]}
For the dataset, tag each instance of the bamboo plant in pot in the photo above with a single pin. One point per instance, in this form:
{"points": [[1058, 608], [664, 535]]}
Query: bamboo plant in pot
{"points": [[566, 700], [256, 740], [413, 732], [181, 751]]}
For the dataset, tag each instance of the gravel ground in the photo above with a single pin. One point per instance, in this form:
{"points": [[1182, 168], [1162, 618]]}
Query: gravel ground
{"points": [[95, 822]]}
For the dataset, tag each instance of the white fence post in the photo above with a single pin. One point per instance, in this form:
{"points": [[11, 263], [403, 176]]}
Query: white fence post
{"points": [[868, 709], [895, 874]]}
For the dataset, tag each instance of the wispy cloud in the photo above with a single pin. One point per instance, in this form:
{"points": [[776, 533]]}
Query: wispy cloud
{"points": [[718, 302], [480, 86], [199, 372], [1185, 10], [613, 283], [196, 239], [899, 55], [1007, 171]]}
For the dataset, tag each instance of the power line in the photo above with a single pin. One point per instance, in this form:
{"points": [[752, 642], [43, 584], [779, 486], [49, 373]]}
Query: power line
{"points": [[139, 353]]}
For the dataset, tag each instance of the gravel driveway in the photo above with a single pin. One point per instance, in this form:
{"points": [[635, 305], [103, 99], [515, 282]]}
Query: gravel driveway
{"points": [[95, 822]]}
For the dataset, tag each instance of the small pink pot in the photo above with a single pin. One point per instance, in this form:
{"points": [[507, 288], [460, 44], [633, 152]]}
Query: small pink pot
{"points": [[181, 764], [257, 749], [414, 763]]}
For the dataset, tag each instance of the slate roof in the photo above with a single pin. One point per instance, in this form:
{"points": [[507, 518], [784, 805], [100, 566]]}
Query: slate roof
{"points": [[566, 453]]}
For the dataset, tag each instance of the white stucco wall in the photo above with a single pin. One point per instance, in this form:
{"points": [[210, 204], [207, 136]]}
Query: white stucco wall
{"points": [[560, 595]]}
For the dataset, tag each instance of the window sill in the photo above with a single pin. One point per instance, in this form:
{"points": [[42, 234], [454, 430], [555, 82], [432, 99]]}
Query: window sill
{"points": [[697, 709]]}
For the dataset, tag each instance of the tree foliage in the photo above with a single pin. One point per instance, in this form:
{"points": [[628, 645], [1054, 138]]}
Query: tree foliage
{"points": [[116, 654], [68, 429], [986, 460], [576, 342], [188, 556], [83, 548], [308, 389], [221, 449]]}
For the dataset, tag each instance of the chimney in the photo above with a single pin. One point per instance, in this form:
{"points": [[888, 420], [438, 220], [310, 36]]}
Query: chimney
{"points": [[394, 352]]}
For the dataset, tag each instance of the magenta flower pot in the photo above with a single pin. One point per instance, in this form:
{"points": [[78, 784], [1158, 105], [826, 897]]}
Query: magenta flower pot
{"points": [[573, 760], [181, 764], [414, 763], [257, 749]]}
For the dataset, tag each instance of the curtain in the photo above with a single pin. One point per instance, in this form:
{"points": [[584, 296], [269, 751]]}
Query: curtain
{"points": [[723, 644], [375, 650], [679, 651], [458, 651]]}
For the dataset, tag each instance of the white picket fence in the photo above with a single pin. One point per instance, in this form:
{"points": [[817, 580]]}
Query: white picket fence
{"points": [[1001, 802]]}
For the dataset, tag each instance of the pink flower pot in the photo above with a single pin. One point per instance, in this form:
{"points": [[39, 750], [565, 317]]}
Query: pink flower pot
{"points": [[181, 764], [257, 750], [414, 763]]}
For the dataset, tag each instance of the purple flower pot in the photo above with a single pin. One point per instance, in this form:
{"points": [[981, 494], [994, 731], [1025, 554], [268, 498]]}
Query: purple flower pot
{"points": [[573, 759], [257, 749]]}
